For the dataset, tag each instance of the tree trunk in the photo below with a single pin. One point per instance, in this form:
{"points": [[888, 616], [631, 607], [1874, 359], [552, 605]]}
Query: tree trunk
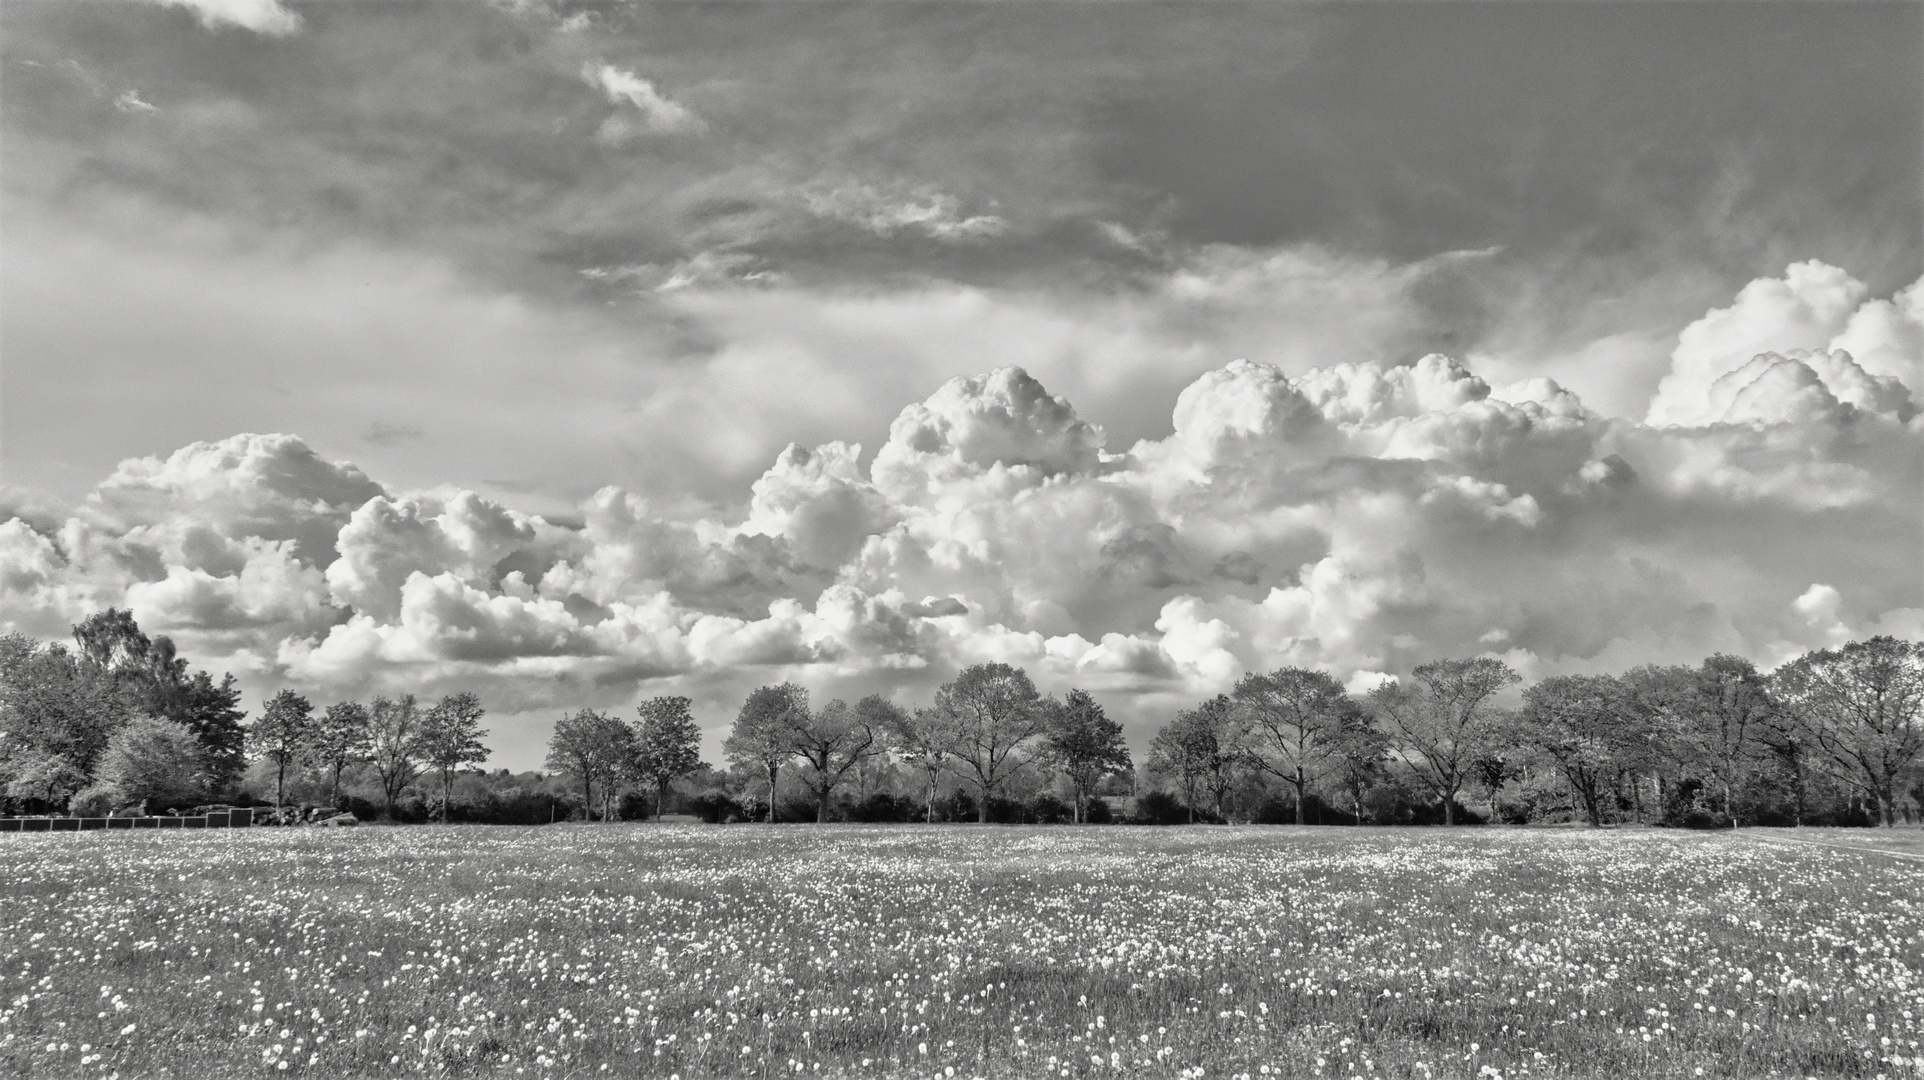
{"points": [[929, 802], [661, 796], [821, 806], [774, 773], [982, 810], [587, 796], [1299, 794], [1449, 809]]}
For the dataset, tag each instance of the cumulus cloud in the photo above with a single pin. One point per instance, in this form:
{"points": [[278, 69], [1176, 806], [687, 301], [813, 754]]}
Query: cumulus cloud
{"points": [[1805, 341], [1357, 517], [269, 17], [655, 112]]}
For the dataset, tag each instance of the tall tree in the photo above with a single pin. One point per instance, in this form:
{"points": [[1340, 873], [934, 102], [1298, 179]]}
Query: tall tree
{"points": [[394, 745], [925, 738], [667, 744], [1714, 718], [156, 679], [212, 712], [1591, 727], [996, 715], [596, 749], [450, 738], [1293, 714], [280, 735], [763, 736], [1357, 751], [835, 739], [1442, 719], [57, 713], [1861, 706], [1204, 749], [1086, 745], [340, 738]]}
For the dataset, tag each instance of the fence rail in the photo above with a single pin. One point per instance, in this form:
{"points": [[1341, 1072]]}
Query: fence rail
{"points": [[226, 819]]}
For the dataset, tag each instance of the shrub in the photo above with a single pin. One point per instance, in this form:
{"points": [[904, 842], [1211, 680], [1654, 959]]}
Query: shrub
{"points": [[884, 807], [1098, 812], [95, 800], [716, 807], [1049, 810], [1160, 808], [959, 806]]}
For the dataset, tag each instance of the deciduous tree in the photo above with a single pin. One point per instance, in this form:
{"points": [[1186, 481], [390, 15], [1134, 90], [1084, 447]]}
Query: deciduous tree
{"points": [[1591, 726], [667, 744], [154, 762], [597, 750], [281, 734], [1086, 745], [995, 714], [1860, 706], [1204, 749], [450, 738], [1442, 719], [1293, 713], [835, 739], [394, 745], [763, 735], [340, 738], [925, 739]]}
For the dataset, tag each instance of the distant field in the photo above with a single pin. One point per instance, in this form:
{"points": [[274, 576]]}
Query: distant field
{"points": [[850, 951]]}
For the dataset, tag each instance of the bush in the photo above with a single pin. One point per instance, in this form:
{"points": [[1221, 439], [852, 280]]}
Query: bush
{"points": [[1098, 812], [800, 809], [635, 806], [95, 800], [1049, 810], [716, 808], [959, 806], [884, 807], [1160, 808]]}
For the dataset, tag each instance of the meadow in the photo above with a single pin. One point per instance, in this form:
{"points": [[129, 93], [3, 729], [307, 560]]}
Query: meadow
{"points": [[689, 951]]}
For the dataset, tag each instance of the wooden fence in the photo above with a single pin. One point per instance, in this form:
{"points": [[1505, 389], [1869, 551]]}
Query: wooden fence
{"points": [[225, 819]]}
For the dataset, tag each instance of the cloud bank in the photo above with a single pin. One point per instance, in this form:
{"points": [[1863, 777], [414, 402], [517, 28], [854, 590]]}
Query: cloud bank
{"points": [[1357, 517]]}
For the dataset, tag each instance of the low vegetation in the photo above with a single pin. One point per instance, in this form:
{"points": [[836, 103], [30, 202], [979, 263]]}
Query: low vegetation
{"points": [[693, 951]]}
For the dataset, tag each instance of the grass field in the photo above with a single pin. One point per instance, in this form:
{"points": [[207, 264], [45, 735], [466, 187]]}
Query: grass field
{"points": [[691, 951]]}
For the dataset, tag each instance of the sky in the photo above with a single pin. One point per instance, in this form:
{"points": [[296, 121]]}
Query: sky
{"points": [[581, 353]]}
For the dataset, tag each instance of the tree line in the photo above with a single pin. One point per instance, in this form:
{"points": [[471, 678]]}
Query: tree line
{"points": [[1834, 736], [118, 721], [118, 724]]}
